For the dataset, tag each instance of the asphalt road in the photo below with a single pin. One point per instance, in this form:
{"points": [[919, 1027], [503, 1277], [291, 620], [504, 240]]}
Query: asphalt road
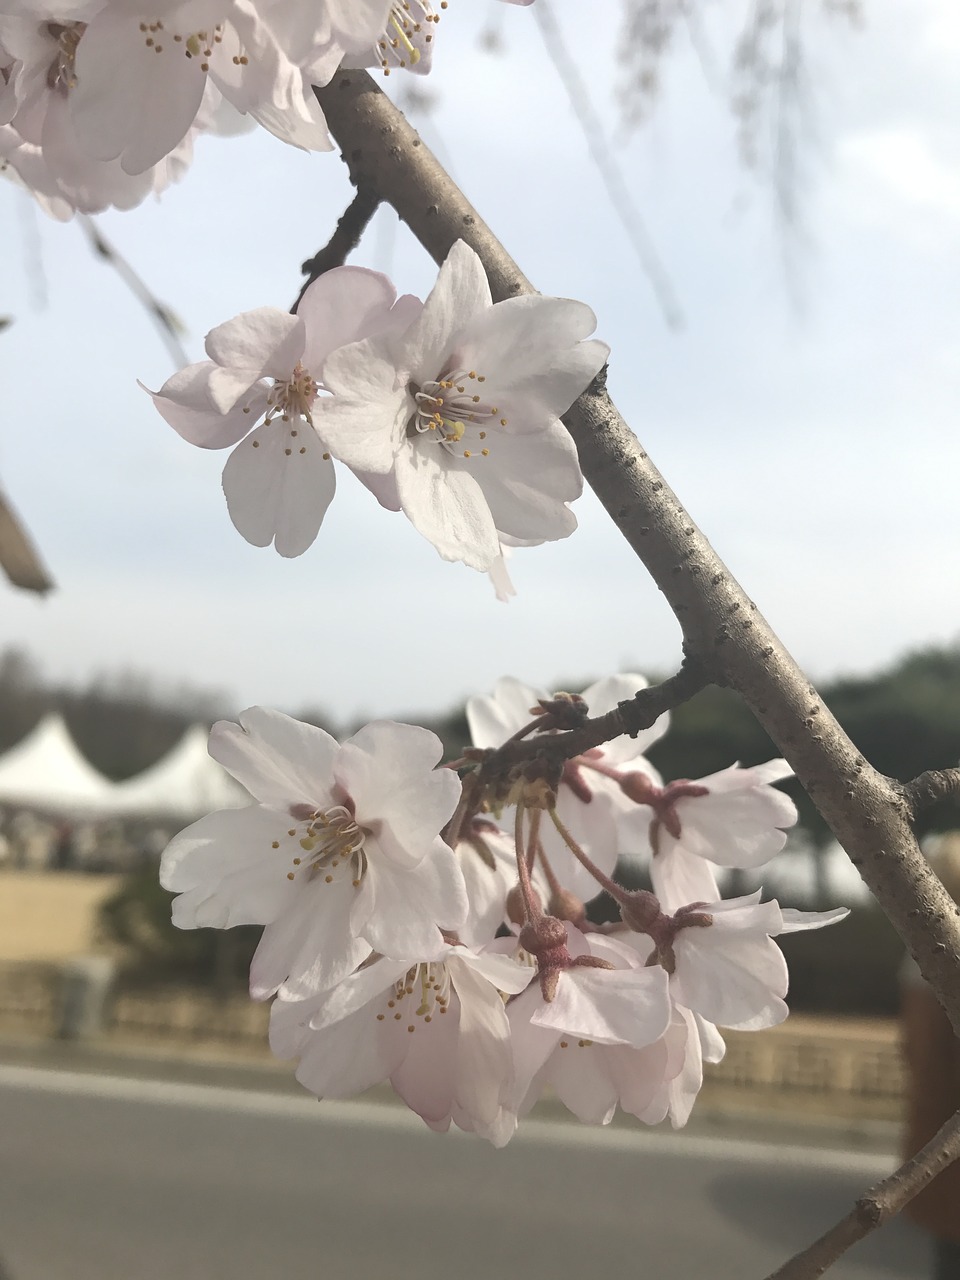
{"points": [[103, 1178]]}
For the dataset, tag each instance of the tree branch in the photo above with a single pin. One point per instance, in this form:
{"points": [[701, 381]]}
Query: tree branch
{"points": [[876, 1206], [930, 788], [165, 320], [351, 226], [721, 625], [630, 716]]}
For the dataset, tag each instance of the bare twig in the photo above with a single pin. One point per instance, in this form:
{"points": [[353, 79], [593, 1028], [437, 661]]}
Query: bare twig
{"points": [[353, 222], [629, 717], [163, 317], [606, 164], [876, 1206]]}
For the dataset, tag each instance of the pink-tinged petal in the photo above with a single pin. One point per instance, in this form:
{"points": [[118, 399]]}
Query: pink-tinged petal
{"points": [[365, 986], [344, 1060], [383, 488], [531, 1043], [130, 101], [528, 479], [739, 822], [265, 342], [410, 907], [679, 877], [447, 506], [184, 403], [279, 760], [278, 484], [425, 1077], [356, 24], [731, 971], [492, 719], [530, 348], [796, 921], [501, 971], [626, 1006], [460, 293], [500, 579], [226, 870], [485, 1060], [582, 1081], [311, 947], [388, 771], [364, 423], [342, 306]]}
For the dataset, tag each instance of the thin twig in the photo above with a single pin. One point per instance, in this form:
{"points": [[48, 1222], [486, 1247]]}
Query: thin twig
{"points": [[621, 200], [162, 316], [351, 226], [876, 1206]]}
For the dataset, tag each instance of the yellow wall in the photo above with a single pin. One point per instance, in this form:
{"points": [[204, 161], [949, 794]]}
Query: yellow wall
{"points": [[48, 916]]}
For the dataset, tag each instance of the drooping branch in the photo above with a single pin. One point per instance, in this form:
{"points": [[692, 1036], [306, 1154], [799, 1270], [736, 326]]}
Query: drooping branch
{"points": [[722, 627], [876, 1206], [351, 226], [168, 326]]}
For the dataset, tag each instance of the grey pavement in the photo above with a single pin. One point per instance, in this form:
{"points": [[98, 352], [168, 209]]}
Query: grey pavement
{"points": [[132, 1178]]}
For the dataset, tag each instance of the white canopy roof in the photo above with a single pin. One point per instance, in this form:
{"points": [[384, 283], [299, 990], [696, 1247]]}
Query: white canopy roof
{"points": [[185, 783], [45, 770]]}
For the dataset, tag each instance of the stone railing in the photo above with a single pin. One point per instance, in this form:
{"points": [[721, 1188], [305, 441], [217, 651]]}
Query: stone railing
{"points": [[830, 1066]]}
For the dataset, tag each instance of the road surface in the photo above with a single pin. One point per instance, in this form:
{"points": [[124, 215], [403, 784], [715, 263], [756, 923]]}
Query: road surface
{"points": [[105, 1178]]}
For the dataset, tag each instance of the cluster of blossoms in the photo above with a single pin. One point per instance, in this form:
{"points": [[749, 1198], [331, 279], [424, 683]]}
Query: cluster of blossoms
{"points": [[448, 410], [410, 937], [100, 102]]}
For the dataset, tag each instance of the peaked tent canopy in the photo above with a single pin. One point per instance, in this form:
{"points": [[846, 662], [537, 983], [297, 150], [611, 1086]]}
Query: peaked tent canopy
{"points": [[45, 770], [185, 783]]}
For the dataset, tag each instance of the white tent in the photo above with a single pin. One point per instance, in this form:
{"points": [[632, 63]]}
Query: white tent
{"points": [[45, 770], [185, 783]]}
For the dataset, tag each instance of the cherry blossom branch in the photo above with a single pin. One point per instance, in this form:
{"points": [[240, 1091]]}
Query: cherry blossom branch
{"points": [[630, 717], [876, 1206], [168, 326], [723, 629], [350, 227], [930, 788]]}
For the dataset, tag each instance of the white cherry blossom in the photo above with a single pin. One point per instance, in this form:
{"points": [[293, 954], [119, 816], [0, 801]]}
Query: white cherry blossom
{"points": [[436, 1029], [265, 369], [590, 802], [592, 1041], [463, 410], [339, 856], [734, 818]]}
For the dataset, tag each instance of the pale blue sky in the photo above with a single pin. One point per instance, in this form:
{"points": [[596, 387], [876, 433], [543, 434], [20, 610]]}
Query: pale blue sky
{"points": [[816, 445]]}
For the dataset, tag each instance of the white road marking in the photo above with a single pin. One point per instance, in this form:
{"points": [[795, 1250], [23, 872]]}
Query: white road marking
{"points": [[370, 1115]]}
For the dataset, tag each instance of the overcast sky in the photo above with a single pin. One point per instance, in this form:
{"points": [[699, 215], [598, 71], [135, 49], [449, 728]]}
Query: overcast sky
{"points": [[813, 439]]}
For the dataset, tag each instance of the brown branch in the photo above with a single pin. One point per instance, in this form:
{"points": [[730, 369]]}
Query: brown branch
{"points": [[166, 321], [628, 717], [876, 1206], [724, 632], [351, 226], [931, 788], [722, 627]]}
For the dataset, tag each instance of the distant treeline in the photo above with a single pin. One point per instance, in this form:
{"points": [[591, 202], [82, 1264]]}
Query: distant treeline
{"points": [[904, 719]]}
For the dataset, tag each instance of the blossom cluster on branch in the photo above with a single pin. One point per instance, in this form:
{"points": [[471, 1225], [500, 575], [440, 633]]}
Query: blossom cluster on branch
{"points": [[425, 927], [448, 410], [100, 103]]}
